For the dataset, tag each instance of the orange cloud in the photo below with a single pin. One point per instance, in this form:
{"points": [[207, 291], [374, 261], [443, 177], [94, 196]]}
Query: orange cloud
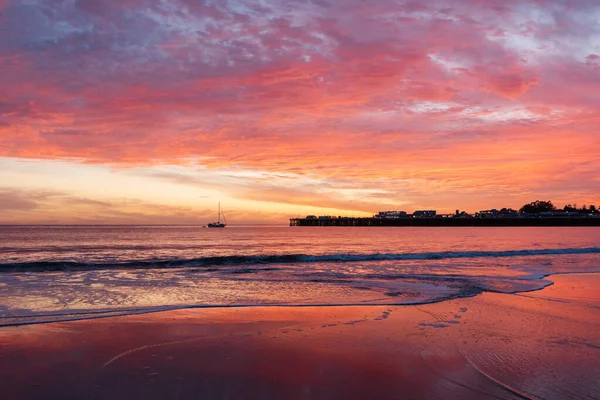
{"points": [[418, 102]]}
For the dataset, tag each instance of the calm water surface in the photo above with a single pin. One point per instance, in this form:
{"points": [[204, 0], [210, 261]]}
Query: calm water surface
{"points": [[59, 273]]}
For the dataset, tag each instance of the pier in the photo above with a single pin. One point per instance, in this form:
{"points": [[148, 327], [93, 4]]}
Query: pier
{"points": [[448, 221]]}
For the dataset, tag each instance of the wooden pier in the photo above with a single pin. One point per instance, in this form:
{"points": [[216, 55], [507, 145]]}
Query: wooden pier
{"points": [[441, 221]]}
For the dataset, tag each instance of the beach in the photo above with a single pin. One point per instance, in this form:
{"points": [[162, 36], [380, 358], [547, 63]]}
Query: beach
{"points": [[276, 199], [539, 344]]}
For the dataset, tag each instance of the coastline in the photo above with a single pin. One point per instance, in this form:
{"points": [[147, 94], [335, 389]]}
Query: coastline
{"points": [[540, 344]]}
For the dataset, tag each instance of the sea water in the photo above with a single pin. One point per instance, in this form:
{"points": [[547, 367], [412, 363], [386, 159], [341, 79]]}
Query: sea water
{"points": [[54, 273]]}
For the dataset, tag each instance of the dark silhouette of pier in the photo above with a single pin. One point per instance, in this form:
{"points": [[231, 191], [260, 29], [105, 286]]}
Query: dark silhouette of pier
{"points": [[449, 221], [537, 213]]}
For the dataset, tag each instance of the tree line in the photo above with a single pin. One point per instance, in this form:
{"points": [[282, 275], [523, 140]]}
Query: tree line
{"points": [[540, 206]]}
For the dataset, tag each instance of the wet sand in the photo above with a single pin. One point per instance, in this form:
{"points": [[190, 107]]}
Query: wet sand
{"points": [[543, 344]]}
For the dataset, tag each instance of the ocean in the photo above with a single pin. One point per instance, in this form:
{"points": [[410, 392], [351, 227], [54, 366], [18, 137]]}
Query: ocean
{"points": [[58, 273]]}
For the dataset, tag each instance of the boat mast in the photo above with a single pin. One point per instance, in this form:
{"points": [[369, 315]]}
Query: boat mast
{"points": [[219, 216]]}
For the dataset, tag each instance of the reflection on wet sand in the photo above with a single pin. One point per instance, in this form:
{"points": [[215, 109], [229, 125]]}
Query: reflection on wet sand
{"points": [[542, 344]]}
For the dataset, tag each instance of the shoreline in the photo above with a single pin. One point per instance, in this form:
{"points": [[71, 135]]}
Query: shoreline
{"points": [[542, 343], [118, 313]]}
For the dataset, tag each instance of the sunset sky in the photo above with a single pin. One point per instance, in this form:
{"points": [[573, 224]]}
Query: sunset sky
{"points": [[153, 111]]}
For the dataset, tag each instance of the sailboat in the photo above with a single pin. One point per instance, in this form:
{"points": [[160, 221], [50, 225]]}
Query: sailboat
{"points": [[218, 224]]}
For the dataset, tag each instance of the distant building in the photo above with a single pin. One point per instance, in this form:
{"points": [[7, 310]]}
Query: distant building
{"points": [[494, 213], [463, 214], [391, 214], [311, 217], [424, 214], [560, 213], [321, 217]]}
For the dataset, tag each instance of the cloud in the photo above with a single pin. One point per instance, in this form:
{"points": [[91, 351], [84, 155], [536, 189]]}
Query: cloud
{"points": [[48, 206], [290, 189], [15, 201], [458, 96]]}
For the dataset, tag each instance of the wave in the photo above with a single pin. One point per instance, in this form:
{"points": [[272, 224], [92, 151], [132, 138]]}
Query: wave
{"points": [[236, 260], [391, 298]]}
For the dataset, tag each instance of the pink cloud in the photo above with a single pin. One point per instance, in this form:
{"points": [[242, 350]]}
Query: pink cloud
{"points": [[353, 90]]}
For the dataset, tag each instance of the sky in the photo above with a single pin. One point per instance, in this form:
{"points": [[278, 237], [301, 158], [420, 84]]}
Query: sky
{"points": [[153, 111]]}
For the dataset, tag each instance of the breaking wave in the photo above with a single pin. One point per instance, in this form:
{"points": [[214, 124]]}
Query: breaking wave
{"points": [[236, 260]]}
